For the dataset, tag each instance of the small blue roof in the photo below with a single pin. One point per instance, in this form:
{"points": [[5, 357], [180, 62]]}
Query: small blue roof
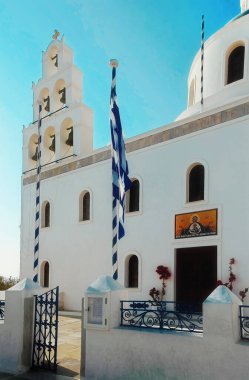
{"points": [[104, 284], [222, 295], [27, 284]]}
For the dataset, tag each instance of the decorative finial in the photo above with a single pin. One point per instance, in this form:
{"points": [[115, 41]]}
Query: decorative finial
{"points": [[244, 5], [113, 62], [56, 34]]}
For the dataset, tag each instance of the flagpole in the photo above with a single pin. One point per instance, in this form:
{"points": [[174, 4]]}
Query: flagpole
{"points": [[114, 64], [120, 179], [202, 56], [37, 200]]}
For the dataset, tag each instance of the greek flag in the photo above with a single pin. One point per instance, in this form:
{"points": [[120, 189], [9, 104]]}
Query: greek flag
{"points": [[120, 179]]}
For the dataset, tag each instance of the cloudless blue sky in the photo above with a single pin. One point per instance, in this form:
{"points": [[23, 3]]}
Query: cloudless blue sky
{"points": [[155, 42]]}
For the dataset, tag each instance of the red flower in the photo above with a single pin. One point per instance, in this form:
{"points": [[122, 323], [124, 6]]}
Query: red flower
{"points": [[164, 272], [232, 261]]}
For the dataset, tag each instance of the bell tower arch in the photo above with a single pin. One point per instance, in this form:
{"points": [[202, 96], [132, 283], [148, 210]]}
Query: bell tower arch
{"points": [[59, 92]]}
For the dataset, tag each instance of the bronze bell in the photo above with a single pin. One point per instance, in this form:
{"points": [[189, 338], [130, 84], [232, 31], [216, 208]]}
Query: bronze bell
{"points": [[69, 140], [47, 105], [35, 156], [63, 95], [55, 59], [52, 146]]}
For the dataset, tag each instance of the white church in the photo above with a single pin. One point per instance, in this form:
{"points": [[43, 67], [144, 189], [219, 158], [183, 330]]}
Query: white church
{"points": [[188, 206]]}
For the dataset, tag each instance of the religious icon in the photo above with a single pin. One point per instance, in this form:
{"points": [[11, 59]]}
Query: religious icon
{"points": [[201, 223]]}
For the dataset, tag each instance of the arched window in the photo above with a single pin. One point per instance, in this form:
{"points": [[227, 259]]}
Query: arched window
{"points": [[47, 215], [132, 275], [67, 137], [235, 64], [196, 183], [45, 219], [132, 196], [85, 204], [44, 280]]}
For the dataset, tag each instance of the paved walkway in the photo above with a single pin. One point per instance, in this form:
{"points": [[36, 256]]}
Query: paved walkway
{"points": [[68, 354]]}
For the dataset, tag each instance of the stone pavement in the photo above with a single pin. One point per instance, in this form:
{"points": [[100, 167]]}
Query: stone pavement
{"points": [[68, 355], [69, 340]]}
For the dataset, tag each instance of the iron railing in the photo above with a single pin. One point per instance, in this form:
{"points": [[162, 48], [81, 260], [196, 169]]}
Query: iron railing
{"points": [[244, 322], [2, 310], [162, 315]]}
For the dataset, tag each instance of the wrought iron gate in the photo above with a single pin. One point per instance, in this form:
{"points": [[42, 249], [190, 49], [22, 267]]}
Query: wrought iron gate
{"points": [[46, 330]]}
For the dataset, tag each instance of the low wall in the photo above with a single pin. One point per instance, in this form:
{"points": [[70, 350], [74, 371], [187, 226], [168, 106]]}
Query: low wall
{"points": [[138, 354], [16, 331]]}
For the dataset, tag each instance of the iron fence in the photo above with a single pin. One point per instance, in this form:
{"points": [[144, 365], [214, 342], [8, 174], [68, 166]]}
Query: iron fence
{"points": [[244, 322], [46, 330], [162, 315], [2, 310]]}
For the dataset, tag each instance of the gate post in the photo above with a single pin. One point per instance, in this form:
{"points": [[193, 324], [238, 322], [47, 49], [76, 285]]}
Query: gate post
{"points": [[221, 316], [18, 327]]}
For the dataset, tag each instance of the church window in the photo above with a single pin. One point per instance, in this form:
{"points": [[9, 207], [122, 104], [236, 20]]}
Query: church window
{"points": [[69, 140], [66, 136], [55, 60], [85, 205], [132, 196], [45, 214], [196, 183], [62, 94], [46, 102], [33, 148], [132, 265], [235, 64], [45, 274]]}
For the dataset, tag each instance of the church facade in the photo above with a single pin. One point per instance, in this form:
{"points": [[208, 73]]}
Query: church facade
{"points": [[187, 208]]}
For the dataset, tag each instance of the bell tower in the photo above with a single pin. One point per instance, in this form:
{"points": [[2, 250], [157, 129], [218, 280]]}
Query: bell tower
{"points": [[67, 123]]}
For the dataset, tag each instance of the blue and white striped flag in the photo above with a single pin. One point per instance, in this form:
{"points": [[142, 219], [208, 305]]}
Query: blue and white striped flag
{"points": [[120, 179]]}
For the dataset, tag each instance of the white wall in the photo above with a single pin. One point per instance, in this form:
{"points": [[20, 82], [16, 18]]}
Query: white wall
{"points": [[138, 354], [78, 252], [16, 331]]}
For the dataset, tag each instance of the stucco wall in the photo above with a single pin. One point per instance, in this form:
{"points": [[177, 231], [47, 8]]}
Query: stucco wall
{"points": [[78, 252], [130, 354], [16, 331]]}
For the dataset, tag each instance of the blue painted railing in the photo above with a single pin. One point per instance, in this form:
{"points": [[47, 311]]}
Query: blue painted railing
{"points": [[2, 310], [162, 315], [244, 322]]}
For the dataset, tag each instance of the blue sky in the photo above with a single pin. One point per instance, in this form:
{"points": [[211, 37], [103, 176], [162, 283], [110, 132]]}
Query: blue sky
{"points": [[154, 41]]}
